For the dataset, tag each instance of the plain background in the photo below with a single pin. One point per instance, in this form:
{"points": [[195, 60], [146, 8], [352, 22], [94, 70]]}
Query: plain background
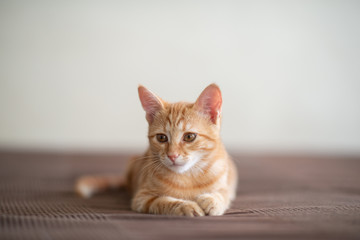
{"points": [[289, 71]]}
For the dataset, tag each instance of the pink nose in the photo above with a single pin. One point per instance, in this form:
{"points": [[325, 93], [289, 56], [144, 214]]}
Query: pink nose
{"points": [[173, 157]]}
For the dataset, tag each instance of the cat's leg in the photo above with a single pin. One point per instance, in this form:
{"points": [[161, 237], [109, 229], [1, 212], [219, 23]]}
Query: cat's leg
{"points": [[214, 203], [89, 185], [149, 203]]}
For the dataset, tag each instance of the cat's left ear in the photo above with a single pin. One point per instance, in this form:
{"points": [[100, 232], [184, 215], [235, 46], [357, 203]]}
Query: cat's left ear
{"points": [[150, 102], [209, 102]]}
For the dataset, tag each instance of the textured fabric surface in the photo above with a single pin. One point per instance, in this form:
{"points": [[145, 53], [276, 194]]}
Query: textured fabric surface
{"points": [[277, 198]]}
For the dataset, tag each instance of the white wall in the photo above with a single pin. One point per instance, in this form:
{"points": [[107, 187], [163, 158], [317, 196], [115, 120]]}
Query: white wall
{"points": [[289, 71]]}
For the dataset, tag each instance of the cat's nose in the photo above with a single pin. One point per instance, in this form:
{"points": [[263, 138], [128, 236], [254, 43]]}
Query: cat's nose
{"points": [[173, 157]]}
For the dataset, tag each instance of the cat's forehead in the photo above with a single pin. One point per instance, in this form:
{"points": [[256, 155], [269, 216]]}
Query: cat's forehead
{"points": [[177, 116], [177, 112]]}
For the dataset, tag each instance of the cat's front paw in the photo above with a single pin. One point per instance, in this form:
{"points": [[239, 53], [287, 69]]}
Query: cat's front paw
{"points": [[188, 208], [211, 204]]}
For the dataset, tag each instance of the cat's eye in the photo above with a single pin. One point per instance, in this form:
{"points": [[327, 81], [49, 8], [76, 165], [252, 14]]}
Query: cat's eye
{"points": [[189, 137], [161, 138]]}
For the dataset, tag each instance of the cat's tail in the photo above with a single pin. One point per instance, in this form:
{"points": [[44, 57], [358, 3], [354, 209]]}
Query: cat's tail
{"points": [[87, 186]]}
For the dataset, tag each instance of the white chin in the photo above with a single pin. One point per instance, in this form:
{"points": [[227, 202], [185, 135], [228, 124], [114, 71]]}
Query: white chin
{"points": [[178, 169], [181, 168]]}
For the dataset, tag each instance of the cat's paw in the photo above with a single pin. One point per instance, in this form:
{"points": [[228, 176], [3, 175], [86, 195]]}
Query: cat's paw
{"points": [[211, 204], [188, 208]]}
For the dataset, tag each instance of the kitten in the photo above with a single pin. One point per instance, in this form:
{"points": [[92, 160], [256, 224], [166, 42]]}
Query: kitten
{"points": [[186, 170]]}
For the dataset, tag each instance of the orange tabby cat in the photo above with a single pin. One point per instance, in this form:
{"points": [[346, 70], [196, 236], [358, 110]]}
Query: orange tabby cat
{"points": [[186, 170]]}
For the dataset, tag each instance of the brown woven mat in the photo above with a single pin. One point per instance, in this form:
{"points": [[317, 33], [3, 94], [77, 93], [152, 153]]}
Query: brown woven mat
{"points": [[278, 198]]}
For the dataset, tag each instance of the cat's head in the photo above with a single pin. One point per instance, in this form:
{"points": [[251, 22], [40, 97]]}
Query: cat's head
{"points": [[182, 135]]}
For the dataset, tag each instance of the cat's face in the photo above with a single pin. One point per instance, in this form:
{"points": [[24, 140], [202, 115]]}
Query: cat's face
{"points": [[182, 135]]}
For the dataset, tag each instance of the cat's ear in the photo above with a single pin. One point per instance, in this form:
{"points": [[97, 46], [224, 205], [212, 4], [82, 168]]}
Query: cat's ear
{"points": [[209, 102], [150, 102]]}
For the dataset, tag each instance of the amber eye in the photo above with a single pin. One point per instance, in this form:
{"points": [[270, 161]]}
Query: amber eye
{"points": [[161, 138], [189, 137]]}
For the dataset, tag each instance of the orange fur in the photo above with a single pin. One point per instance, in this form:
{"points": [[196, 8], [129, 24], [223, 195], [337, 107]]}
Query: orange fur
{"points": [[201, 180]]}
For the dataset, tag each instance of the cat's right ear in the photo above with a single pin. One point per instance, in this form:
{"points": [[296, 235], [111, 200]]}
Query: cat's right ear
{"points": [[150, 102]]}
